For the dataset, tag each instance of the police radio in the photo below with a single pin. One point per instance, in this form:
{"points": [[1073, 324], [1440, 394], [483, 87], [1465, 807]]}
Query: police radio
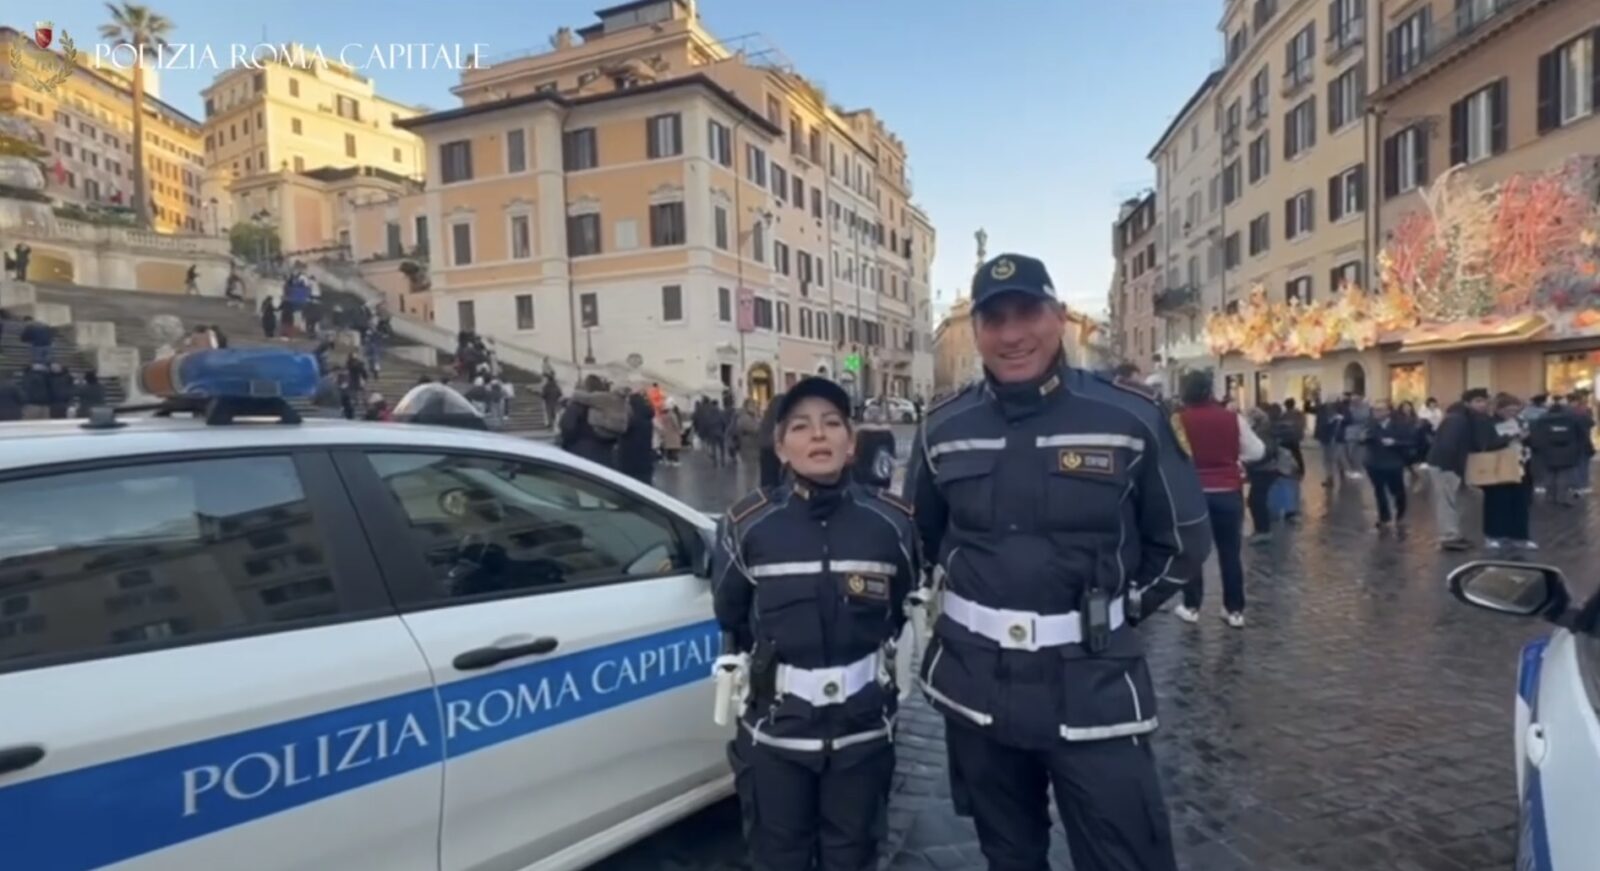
{"points": [[1096, 611]]}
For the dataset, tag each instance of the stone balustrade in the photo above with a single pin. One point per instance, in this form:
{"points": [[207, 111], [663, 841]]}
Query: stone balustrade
{"points": [[94, 334]]}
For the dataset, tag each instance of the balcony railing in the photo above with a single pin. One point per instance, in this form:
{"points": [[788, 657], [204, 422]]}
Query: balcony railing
{"points": [[1256, 114], [1472, 22], [1344, 39], [1297, 77], [1178, 300]]}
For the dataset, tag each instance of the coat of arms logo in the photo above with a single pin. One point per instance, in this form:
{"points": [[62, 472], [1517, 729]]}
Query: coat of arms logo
{"points": [[37, 65]]}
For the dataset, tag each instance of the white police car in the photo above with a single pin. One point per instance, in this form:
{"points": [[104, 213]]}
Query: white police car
{"points": [[340, 646], [1558, 712]]}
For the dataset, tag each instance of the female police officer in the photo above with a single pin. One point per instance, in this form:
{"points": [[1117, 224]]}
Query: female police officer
{"points": [[810, 579]]}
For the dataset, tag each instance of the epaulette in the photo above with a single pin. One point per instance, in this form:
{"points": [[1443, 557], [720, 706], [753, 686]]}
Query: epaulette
{"points": [[1131, 391], [747, 506], [897, 502], [949, 398]]}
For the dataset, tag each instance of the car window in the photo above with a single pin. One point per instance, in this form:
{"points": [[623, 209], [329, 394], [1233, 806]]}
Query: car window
{"points": [[94, 560], [489, 525]]}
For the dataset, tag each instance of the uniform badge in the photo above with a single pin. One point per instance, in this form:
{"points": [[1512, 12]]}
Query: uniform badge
{"points": [[1002, 269], [1087, 462], [868, 587], [1050, 386]]}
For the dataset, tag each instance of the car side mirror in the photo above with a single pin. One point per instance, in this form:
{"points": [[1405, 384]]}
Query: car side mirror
{"points": [[1520, 589]]}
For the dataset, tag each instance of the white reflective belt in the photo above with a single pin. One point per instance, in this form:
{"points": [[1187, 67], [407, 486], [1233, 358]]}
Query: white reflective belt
{"points": [[1090, 440], [954, 445], [1022, 630], [817, 745], [773, 570], [828, 686], [1103, 733], [862, 566]]}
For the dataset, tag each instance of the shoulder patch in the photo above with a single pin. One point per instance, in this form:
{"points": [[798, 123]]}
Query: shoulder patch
{"points": [[1180, 433], [1131, 391], [747, 506], [937, 404], [896, 502]]}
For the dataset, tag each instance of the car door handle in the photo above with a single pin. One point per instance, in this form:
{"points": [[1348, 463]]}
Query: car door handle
{"points": [[18, 758], [484, 657]]}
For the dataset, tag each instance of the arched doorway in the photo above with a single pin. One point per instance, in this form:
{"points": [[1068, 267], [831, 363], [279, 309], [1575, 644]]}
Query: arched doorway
{"points": [[1355, 379], [759, 384]]}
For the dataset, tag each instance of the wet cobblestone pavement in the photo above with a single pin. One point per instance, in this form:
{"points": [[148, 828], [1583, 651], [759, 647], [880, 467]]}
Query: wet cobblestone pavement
{"points": [[1361, 721]]}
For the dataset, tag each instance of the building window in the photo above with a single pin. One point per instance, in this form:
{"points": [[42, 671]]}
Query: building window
{"points": [[1230, 128], [579, 150], [420, 228], [755, 165], [666, 224], [1405, 161], [763, 313], [1232, 182], [525, 311], [1300, 128], [724, 305], [1568, 82], [799, 196], [1345, 22], [816, 203], [665, 135], [1260, 234], [1346, 98], [1260, 158], [516, 151], [1298, 290], [1345, 274], [780, 182], [1298, 55], [1298, 215], [455, 161], [461, 243], [758, 242], [349, 145], [774, 110], [294, 126], [719, 227], [583, 235], [720, 141], [294, 88], [672, 303], [780, 257], [347, 107], [1478, 124], [1236, 44], [1259, 99], [1408, 43], [521, 237], [1347, 193]]}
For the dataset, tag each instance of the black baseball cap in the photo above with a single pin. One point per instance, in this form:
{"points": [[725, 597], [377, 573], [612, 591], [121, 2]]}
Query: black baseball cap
{"points": [[1011, 273], [821, 388]]}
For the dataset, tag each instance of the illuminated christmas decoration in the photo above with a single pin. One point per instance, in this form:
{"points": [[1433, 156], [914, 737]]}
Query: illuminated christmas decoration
{"points": [[1502, 260]]}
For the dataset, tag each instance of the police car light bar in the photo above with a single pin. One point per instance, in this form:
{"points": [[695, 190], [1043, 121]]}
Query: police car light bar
{"points": [[225, 383]]}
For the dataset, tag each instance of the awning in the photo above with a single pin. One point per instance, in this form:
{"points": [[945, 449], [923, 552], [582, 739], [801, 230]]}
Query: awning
{"points": [[1482, 332]]}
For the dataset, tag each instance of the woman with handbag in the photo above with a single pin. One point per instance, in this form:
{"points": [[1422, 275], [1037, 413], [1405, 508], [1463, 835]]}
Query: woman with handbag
{"points": [[1507, 505]]}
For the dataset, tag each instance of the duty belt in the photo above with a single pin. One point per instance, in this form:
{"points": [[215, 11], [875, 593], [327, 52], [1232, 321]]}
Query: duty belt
{"points": [[1022, 630], [829, 686]]}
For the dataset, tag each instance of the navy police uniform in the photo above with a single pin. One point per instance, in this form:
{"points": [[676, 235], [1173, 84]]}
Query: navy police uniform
{"points": [[1056, 514], [810, 579]]}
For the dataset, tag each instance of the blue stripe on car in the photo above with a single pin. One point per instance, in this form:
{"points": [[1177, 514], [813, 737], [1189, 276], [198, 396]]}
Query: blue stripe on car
{"points": [[106, 813], [1533, 836]]}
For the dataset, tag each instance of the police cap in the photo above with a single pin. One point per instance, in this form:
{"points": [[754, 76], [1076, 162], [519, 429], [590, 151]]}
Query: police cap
{"points": [[821, 388], [1011, 273]]}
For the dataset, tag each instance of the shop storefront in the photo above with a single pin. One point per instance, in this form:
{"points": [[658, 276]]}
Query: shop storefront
{"points": [[1408, 382], [1571, 371]]}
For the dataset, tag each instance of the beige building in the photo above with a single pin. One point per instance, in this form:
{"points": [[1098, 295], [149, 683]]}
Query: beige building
{"points": [[273, 128], [86, 123], [647, 195], [1137, 334], [1294, 156]]}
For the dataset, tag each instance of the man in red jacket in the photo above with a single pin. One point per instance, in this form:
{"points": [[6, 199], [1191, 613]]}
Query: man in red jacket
{"points": [[1218, 440]]}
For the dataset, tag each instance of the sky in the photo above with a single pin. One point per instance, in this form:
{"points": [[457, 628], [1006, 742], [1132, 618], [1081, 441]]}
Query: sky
{"points": [[1028, 118]]}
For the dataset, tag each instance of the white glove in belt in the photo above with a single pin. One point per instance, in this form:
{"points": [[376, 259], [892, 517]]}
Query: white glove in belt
{"points": [[1022, 630]]}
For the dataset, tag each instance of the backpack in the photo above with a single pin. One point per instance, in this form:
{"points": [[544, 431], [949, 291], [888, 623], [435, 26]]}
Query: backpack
{"points": [[609, 423]]}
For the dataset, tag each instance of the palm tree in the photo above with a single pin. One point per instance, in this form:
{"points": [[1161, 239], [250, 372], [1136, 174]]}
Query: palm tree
{"points": [[136, 25]]}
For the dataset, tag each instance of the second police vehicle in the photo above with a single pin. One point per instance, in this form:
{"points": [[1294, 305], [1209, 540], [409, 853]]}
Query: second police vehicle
{"points": [[1557, 739], [231, 643]]}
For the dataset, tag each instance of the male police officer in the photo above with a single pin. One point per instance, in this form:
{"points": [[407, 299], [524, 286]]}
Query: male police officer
{"points": [[1060, 510], [811, 576]]}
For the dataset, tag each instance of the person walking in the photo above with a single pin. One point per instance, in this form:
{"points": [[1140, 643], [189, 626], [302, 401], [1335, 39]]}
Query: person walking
{"points": [[1291, 432], [809, 578], [191, 281], [1506, 507], [91, 393], [550, 392], [1358, 415], [40, 338], [636, 455], [1261, 475], [1583, 409], [269, 319], [1390, 446], [1555, 439], [594, 419], [1218, 440], [1060, 509], [1329, 435]]}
